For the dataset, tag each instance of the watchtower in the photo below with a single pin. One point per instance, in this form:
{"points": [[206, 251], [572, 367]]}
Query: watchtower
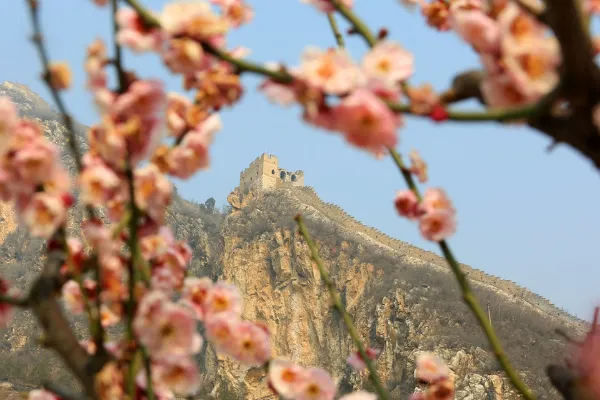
{"points": [[264, 174]]}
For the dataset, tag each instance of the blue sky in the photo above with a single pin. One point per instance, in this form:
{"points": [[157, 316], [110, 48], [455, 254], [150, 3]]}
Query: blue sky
{"points": [[524, 214]]}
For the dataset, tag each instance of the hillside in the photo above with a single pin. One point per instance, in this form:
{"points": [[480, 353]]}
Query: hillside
{"points": [[402, 298]]}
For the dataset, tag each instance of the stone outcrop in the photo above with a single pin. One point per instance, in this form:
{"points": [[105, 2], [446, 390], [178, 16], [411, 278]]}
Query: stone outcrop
{"points": [[403, 299]]}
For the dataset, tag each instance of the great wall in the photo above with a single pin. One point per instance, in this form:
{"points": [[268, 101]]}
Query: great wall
{"points": [[512, 290]]}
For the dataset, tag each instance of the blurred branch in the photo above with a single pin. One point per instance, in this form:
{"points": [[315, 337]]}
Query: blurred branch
{"points": [[339, 307], [468, 295]]}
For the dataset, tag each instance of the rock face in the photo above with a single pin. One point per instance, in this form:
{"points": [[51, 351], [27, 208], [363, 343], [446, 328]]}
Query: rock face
{"points": [[403, 300]]}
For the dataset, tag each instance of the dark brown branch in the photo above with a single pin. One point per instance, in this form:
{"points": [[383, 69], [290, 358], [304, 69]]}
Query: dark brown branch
{"points": [[58, 334], [14, 301]]}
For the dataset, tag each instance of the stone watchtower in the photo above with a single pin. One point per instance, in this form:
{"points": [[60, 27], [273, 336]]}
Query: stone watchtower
{"points": [[264, 174]]}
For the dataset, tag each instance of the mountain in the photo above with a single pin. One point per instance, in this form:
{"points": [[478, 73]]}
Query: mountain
{"points": [[403, 299]]}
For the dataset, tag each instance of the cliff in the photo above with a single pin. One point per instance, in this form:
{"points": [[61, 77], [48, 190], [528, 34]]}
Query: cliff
{"points": [[403, 299]]}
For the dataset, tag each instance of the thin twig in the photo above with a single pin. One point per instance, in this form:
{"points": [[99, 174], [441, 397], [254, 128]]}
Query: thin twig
{"points": [[469, 297], [339, 39], [339, 307], [72, 141]]}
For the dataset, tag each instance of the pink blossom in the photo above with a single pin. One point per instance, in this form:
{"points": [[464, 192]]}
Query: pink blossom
{"points": [[316, 385], [179, 374], [108, 317], [109, 382], [436, 199], [143, 98], [134, 34], [253, 343], [326, 6], [59, 75], [388, 63], [34, 163], [517, 26], [367, 122], [98, 236], [356, 361], [286, 377], [430, 368], [155, 243], [418, 166], [184, 56], [477, 29], [437, 225], [39, 394], [237, 12], [177, 108], [43, 214], [73, 297], [9, 119], [332, 70], [407, 204], [167, 329], [192, 153], [437, 13], [533, 66], [194, 19], [220, 331], [222, 298], [441, 390], [360, 395], [108, 143], [195, 291], [7, 311], [98, 184], [500, 91], [278, 93], [153, 192], [585, 361], [592, 7]]}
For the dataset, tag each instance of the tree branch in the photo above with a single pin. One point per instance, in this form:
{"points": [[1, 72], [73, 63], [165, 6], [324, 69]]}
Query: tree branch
{"points": [[468, 296], [339, 307]]}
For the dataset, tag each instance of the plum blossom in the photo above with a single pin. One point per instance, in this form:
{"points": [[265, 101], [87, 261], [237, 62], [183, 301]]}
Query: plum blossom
{"points": [[43, 214], [326, 6], [7, 311], [183, 56], [195, 291], [177, 108], [194, 19], [153, 192], [437, 14], [59, 75], [98, 184], [501, 91], [430, 368], [220, 331], [532, 66], [388, 63], [316, 385], [367, 122], [437, 225], [436, 199], [222, 297], [237, 12], [9, 118], [134, 34], [332, 71], [356, 361], [40, 394], [477, 29], [585, 362], [360, 395], [71, 293], [109, 382], [167, 329], [418, 166], [407, 204], [286, 377], [179, 374], [253, 345]]}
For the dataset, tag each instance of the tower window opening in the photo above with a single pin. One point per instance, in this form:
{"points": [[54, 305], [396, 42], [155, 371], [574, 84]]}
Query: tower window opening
{"points": [[282, 174], [273, 171], [293, 178]]}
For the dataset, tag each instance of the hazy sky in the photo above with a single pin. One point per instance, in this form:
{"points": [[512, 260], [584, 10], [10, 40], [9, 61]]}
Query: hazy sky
{"points": [[524, 214]]}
